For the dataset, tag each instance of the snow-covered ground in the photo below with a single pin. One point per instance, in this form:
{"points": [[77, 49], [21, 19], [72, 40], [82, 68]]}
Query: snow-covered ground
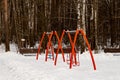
{"points": [[14, 66]]}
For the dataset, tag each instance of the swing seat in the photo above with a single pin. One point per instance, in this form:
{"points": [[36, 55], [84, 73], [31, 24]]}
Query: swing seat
{"points": [[50, 56], [68, 59], [78, 64], [68, 62]]}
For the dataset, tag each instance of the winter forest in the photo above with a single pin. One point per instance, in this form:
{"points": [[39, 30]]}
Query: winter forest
{"points": [[28, 19], [59, 39]]}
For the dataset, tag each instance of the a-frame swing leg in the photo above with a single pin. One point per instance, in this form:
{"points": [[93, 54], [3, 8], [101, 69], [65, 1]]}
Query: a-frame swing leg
{"points": [[73, 53], [49, 44], [40, 43], [89, 48], [59, 47]]}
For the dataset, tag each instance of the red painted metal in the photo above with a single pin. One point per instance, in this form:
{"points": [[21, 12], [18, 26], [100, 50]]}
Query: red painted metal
{"points": [[49, 45], [73, 53], [40, 44], [59, 47], [72, 42], [89, 48]]}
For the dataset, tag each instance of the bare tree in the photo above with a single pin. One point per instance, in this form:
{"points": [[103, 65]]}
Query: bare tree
{"points": [[96, 25], [7, 47]]}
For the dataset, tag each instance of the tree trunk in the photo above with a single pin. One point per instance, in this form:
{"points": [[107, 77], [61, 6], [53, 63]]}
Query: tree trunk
{"points": [[96, 25], [83, 15], [7, 47]]}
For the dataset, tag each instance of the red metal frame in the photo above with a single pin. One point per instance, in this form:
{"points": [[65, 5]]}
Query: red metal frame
{"points": [[73, 53], [40, 44], [72, 42], [59, 46], [49, 45], [89, 48]]}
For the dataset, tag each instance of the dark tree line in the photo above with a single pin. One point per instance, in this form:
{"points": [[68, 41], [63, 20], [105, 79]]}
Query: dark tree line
{"points": [[28, 19], [109, 23]]}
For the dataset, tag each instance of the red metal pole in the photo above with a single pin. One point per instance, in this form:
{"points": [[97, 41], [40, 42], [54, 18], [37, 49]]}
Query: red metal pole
{"points": [[49, 44], [75, 38], [40, 43], [73, 53], [59, 47], [89, 48]]}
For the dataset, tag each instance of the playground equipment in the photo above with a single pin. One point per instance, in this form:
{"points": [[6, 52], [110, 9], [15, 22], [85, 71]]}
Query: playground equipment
{"points": [[68, 60], [40, 44], [77, 57], [72, 42], [73, 53], [49, 44], [59, 46], [73, 58]]}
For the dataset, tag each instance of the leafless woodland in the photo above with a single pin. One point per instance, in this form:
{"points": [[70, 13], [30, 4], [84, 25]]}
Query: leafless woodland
{"points": [[28, 19]]}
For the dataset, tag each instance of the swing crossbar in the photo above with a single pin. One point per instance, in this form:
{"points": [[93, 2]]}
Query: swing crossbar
{"points": [[72, 31], [48, 33]]}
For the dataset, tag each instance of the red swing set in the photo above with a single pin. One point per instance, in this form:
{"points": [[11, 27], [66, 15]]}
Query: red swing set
{"points": [[49, 44], [73, 59]]}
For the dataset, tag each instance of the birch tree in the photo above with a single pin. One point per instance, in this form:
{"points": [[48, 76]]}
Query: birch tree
{"points": [[96, 25], [84, 14]]}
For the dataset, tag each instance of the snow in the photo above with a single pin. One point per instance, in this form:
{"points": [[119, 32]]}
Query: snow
{"points": [[14, 66]]}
